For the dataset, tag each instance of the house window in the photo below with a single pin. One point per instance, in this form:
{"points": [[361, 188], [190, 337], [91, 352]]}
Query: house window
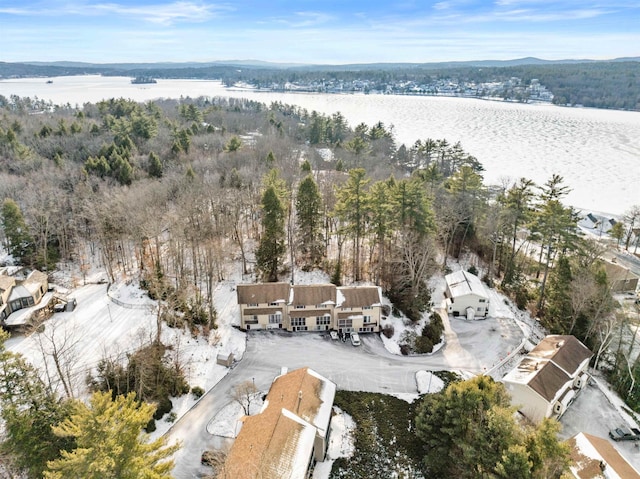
{"points": [[368, 307], [368, 329], [323, 319], [298, 322], [345, 323], [252, 305], [479, 310], [367, 319], [274, 303], [481, 300], [275, 318], [300, 328], [300, 306], [346, 309]]}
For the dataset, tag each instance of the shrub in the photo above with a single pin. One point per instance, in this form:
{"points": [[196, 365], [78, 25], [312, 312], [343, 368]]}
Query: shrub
{"points": [[407, 342], [473, 270], [388, 330], [151, 426], [197, 392], [172, 417], [434, 329], [423, 345], [164, 405]]}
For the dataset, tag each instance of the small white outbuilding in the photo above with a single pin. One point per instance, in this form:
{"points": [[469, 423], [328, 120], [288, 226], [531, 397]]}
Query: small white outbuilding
{"points": [[466, 296]]}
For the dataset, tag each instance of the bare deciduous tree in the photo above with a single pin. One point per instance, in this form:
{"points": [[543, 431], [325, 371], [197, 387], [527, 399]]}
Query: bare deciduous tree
{"points": [[245, 394]]}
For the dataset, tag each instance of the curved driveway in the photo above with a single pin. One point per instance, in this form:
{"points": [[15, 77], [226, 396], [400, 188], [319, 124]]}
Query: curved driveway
{"points": [[472, 346]]}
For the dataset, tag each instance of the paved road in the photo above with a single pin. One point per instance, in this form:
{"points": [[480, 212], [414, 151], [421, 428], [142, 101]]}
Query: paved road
{"points": [[369, 367]]}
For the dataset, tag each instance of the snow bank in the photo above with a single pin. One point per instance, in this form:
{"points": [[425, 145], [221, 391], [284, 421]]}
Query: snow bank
{"points": [[428, 382]]}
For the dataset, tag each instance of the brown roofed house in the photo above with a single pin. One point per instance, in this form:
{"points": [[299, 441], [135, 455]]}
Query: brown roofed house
{"points": [[314, 307], [593, 457], [548, 379], [289, 434]]}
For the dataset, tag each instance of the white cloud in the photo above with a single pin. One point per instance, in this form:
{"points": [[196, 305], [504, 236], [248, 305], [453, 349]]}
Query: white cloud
{"points": [[160, 13], [303, 19], [164, 14]]}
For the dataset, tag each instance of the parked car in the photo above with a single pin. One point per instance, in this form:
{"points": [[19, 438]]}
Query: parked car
{"points": [[355, 339], [334, 335], [624, 433]]}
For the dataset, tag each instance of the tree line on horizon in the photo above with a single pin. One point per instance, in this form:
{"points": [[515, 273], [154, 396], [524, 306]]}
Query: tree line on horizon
{"points": [[595, 84]]}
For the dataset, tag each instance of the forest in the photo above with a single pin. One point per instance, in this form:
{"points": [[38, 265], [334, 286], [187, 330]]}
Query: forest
{"points": [[174, 193]]}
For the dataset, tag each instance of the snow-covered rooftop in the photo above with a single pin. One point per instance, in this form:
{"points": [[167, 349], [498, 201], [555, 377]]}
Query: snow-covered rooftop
{"points": [[462, 283], [594, 457], [279, 440], [550, 365]]}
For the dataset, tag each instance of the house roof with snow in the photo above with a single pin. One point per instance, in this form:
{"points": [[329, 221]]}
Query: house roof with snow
{"points": [[35, 280], [313, 294], [19, 292], [550, 365], [593, 457], [359, 296], [263, 293], [462, 283], [278, 442], [565, 351]]}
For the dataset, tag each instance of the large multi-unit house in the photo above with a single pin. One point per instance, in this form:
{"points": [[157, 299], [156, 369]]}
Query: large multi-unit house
{"points": [[549, 377], [289, 435], [466, 296], [19, 292], [319, 307]]}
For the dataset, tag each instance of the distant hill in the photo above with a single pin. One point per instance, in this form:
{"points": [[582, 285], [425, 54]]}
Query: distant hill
{"points": [[592, 83], [324, 67]]}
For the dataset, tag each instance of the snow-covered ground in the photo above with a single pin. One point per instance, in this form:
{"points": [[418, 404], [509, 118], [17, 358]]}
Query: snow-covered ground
{"points": [[122, 320]]}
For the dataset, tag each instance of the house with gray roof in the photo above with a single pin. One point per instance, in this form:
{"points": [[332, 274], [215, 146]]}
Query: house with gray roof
{"points": [[465, 295]]}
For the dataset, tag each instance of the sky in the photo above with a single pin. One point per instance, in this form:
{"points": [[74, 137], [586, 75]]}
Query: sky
{"points": [[317, 31]]}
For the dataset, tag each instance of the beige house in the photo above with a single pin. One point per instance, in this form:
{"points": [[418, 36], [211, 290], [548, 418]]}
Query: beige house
{"points": [[465, 295], [593, 457], [311, 307], [18, 294], [359, 309], [549, 377], [620, 278], [290, 433], [318, 307], [263, 306]]}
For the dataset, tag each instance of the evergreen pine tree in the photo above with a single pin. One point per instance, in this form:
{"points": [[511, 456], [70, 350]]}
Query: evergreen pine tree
{"points": [[309, 219], [270, 252]]}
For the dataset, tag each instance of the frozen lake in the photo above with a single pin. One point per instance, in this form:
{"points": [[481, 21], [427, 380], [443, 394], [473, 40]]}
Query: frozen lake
{"points": [[596, 151]]}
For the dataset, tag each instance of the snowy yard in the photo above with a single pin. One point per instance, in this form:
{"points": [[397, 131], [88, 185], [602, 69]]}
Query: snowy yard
{"points": [[121, 321]]}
